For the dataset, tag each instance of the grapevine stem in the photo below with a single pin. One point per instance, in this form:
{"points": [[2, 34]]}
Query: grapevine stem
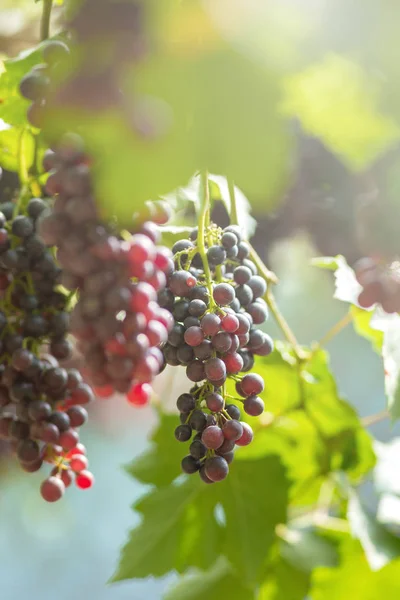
{"points": [[282, 323], [333, 332], [45, 20], [268, 275], [203, 214], [372, 419]]}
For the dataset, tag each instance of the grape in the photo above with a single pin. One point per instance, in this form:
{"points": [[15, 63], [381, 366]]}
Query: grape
{"points": [[197, 307], [233, 363], [203, 475], [183, 433], [190, 465], [39, 410], [78, 416], [256, 339], [233, 411], [247, 436], [181, 283], [232, 430], [215, 402], [266, 347], [78, 463], [139, 394], [216, 468], [235, 229], [22, 226], [244, 294], [252, 383], [195, 371], [68, 439], [258, 312], [28, 451], [230, 323], [54, 51], [254, 406], [223, 294], [257, 285], [194, 336], [229, 240], [242, 275], [176, 335], [181, 310], [212, 437], [84, 480], [204, 350], [197, 449], [216, 255], [198, 420], [210, 324], [34, 86], [186, 403], [227, 446], [222, 341], [215, 369], [52, 489], [185, 354]]}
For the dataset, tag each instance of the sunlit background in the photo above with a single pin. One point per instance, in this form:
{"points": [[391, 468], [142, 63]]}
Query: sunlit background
{"points": [[70, 549]]}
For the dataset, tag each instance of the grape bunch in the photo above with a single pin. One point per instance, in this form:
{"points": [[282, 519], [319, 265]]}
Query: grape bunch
{"points": [[216, 300], [117, 320], [41, 404], [380, 283]]}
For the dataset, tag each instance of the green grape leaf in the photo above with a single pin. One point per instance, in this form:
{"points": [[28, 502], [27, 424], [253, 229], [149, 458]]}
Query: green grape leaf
{"points": [[252, 512], [348, 120], [362, 324], [161, 463], [220, 191], [331, 414], [379, 544], [219, 582], [173, 533], [13, 106], [284, 582], [391, 362], [354, 578], [15, 143]]}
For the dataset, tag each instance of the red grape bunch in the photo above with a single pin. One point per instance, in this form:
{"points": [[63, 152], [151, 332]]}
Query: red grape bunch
{"points": [[381, 284], [215, 336], [117, 320]]}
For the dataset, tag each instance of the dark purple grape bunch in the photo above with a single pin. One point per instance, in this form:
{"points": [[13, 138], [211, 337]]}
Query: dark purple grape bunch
{"points": [[216, 311], [117, 320], [214, 427], [34, 310], [380, 282], [42, 405], [36, 85], [215, 332]]}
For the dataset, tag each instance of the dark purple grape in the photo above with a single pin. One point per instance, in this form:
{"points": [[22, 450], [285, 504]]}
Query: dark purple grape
{"points": [[197, 307], [183, 433], [195, 371], [258, 286], [222, 341], [252, 384], [233, 411], [194, 336], [190, 465], [197, 449], [215, 369], [229, 240], [204, 350], [242, 275], [186, 403], [253, 406], [210, 324], [28, 451], [216, 468], [39, 410], [203, 475], [216, 255], [180, 310], [266, 347], [198, 420]]}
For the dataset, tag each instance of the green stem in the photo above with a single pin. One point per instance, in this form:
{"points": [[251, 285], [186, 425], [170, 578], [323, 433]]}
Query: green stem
{"points": [[283, 325], [202, 225], [268, 275], [45, 20], [337, 328]]}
